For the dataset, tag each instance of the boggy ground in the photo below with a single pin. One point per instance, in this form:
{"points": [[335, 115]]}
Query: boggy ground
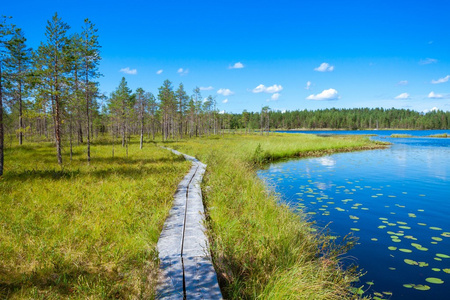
{"points": [[262, 249], [90, 231]]}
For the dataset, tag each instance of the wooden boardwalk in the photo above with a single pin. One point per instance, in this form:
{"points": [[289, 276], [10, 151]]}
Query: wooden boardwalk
{"points": [[186, 270]]}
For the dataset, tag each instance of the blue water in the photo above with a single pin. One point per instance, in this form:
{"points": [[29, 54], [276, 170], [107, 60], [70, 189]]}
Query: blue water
{"points": [[397, 197]]}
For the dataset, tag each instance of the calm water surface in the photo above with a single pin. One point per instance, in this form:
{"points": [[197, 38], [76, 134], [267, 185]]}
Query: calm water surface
{"points": [[396, 201]]}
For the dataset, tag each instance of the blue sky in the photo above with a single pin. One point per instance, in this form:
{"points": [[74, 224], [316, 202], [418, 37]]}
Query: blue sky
{"points": [[251, 54]]}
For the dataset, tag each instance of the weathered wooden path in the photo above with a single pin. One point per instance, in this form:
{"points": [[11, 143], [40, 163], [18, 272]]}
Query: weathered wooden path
{"points": [[186, 270]]}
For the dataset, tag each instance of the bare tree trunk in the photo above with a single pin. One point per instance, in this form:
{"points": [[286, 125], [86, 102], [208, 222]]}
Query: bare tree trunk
{"points": [[1, 123], [88, 136], [20, 114]]}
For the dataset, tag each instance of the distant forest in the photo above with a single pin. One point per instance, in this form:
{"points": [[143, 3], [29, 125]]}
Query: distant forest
{"points": [[333, 118]]}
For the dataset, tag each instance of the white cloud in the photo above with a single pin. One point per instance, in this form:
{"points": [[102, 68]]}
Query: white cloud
{"points": [[207, 88], [129, 71], [269, 89], [225, 92], [428, 61], [432, 95], [403, 82], [308, 85], [402, 96], [275, 96], [430, 110], [159, 72], [225, 101], [237, 65], [441, 80], [221, 112], [330, 94], [182, 71], [324, 67]]}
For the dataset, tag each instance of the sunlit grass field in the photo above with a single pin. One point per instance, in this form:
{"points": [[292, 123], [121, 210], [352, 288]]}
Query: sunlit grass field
{"points": [[89, 231], [84, 231]]}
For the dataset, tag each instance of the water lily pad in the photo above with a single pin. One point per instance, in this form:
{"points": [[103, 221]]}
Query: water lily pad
{"points": [[422, 224], [392, 224], [437, 238], [408, 286], [446, 270], [355, 229], [374, 239], [405, 250], [421, 210], [397, 240], [402, 223], [381, 226], [422, 264], [370, 283], [438, 259], [392, 248], [421, 287], [353, 217], [442, 255], [435, 228], [434, 280], [411, 262], [404, 227], [392, 268], [410, 237], [383, 219], [436, 269]]}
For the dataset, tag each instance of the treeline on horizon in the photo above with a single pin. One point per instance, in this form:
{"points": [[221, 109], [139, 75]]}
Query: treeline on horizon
{"points": [[52, 94], [352, 119]]}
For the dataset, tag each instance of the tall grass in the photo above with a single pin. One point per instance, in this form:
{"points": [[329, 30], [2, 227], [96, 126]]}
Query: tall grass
{"points": [[83, 231], [262, 249]]}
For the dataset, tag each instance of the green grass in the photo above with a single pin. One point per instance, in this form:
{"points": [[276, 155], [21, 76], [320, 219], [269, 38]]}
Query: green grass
{"points": [[262, 249], [440, 135], [400, 135], [84, 231]]}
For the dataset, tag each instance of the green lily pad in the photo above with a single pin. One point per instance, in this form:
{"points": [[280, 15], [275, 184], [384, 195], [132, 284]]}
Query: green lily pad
{"points": [[422, 248], [442, 255], [392, 248], [392, 268], [438, 259], [408, 286], [446, 270], [434, 280], [411, 262], [355, 229], [353, 217], [383, 219], [405, 250], [437, 238], [421, 210], [370, 283], [436, 269], [411, 215], [435, 228], [404, 227], [422, 224], [421, 287], [397, 240], [381, 227], [410, 237], [374, 239], [402, 223], [446, 234], [423, 264]]}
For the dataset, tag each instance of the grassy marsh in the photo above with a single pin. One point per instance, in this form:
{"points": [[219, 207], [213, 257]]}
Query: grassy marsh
{"points": [[84, 231], [262, 249]]}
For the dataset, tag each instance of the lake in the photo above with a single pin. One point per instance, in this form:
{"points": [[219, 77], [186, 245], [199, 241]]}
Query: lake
{"points": [[396, 201]]}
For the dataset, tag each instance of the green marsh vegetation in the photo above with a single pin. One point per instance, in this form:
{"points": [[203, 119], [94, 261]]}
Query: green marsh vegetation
{"points": [[83, 230], [262, 249]]}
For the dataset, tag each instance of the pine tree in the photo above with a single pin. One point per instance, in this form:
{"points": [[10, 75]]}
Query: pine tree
{"points": [[54, 58], [18, 65], [5, 32], [91, 60]]}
